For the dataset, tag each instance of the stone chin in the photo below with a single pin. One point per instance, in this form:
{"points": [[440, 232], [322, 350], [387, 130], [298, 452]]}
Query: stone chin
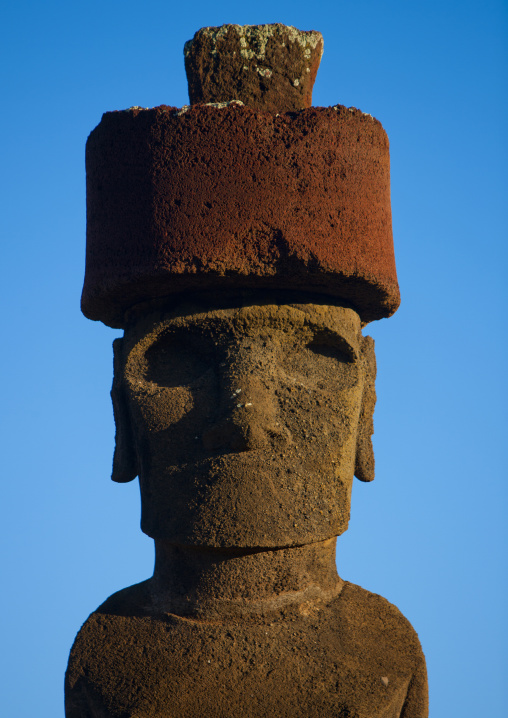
{"points": [[247, 502], [244, 424]]}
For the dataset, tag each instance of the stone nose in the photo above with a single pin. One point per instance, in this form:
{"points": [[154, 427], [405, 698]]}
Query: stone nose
{"points": [[247, 414]]}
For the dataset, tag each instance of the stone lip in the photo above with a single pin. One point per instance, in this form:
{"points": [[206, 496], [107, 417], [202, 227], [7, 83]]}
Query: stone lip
{"points": [[220, 198], [267, 67]]}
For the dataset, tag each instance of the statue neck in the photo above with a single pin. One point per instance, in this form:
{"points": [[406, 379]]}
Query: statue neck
{"points": [[219, 583]]}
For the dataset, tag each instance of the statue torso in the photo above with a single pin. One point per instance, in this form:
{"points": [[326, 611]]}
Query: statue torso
{"points": [[355, 657]]}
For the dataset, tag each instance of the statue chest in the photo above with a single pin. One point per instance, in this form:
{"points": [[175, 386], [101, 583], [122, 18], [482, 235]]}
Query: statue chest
{"points": [[160, 667]]}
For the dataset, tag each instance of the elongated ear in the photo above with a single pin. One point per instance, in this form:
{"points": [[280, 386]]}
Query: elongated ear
{"points": [[125, 464], [364, 468]]}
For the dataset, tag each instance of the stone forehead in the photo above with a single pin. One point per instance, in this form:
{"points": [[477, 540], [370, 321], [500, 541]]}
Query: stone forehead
{"points": [[249, 321]]}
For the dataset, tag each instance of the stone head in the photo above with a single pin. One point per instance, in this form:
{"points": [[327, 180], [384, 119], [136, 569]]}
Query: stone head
{"points": [[245, 421]]}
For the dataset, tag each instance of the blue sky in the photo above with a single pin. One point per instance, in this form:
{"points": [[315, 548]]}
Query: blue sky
{"points": [[430, 533]]}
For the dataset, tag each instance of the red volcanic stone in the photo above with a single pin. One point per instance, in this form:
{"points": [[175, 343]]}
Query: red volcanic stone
{"points": [[268, 67], [211, 198]]}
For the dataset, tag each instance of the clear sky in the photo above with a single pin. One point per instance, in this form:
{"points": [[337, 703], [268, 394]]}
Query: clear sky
{"points": [[430, 533]]}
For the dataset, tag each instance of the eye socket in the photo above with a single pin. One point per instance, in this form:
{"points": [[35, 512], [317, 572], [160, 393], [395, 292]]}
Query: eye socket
{"points": [[321, 361], [335, 351], [178, 360]]}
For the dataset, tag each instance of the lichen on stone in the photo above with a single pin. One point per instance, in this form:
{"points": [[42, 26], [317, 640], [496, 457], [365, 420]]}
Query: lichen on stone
{"points": [[353, 110], [235, 61], [254, 38], [221, 105]]}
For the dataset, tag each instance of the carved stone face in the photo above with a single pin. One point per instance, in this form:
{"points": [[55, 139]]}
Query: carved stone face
{"points": [[244, 422]]}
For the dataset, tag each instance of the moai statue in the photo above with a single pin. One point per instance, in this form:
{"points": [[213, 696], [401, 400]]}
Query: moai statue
{"points": [[243, 243]]}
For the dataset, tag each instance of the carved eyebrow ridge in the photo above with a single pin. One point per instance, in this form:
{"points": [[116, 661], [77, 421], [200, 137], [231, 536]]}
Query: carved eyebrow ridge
{"points": [[334, 337], [216, 326], [337, 341]]}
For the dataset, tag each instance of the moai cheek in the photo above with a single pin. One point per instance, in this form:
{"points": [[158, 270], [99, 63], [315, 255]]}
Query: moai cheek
{"points": [[158, 408]]}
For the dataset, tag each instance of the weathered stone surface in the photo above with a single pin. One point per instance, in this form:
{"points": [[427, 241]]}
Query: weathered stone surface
{"points": [[242, 251], [258, 384], [221, 198], [351, 655], [267, 67], [245, 424]]}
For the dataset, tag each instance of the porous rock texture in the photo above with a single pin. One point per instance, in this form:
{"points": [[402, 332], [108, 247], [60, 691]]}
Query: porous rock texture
{"points": [[222, 197], [242, 247], [267, 67], [354, 656], [245, 422]]}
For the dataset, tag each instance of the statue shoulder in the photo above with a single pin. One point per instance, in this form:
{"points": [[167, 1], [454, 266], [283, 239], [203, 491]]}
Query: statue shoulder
{"points": [[131, 601], [360, 608], [383, 643], [110, 631]]}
